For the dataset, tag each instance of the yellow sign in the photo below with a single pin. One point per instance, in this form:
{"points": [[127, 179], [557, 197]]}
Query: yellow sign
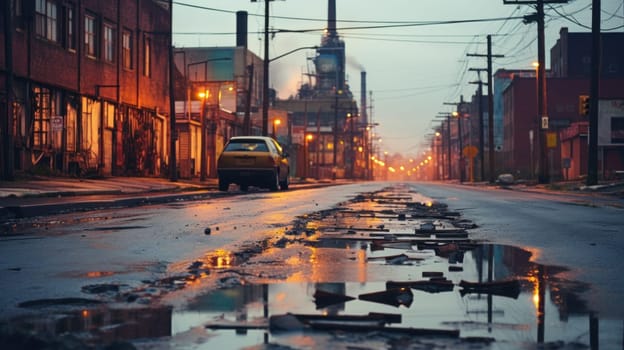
{"points": [[470, 151], [551, 140]]}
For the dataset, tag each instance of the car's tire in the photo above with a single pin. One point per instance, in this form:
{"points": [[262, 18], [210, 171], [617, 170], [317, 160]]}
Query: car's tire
{"points": [[275, 182], [284, 184], [223, 185]]}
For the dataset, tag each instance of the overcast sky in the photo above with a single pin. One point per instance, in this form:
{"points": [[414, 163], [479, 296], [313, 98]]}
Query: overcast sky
{"points": [[411, 70]]}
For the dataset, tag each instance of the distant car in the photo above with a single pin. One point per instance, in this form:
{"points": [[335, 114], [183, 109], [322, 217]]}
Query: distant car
{"points": [[253, 161]]}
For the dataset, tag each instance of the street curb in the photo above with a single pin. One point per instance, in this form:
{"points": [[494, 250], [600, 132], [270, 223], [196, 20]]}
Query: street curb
{"points": [[131, 200], [26, 211]]}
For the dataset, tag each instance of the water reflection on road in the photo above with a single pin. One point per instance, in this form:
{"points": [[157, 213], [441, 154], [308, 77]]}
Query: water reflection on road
{"points": [[546, 309], [389, 269]]}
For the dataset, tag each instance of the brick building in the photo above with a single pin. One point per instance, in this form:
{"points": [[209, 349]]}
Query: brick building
{"points": [[571, 58], [88, 86], [520, 154], [566, 81]]}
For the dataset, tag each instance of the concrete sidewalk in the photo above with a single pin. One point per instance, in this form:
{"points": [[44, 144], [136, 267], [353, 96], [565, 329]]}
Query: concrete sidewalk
{"points": [[62, 186]]}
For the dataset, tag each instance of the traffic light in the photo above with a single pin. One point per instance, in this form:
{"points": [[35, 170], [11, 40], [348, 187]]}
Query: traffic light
{"points": [[584, 105]]}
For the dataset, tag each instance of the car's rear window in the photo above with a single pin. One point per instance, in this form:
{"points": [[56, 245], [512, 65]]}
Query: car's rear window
{"points": [[246, 146]]}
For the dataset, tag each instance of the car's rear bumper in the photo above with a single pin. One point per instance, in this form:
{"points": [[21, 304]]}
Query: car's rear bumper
{"points": [[247, 176]]}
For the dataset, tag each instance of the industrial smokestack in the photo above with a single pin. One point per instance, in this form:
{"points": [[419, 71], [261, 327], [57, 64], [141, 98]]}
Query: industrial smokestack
{"points": [[331, 18], [241, 29], [363, 105]]}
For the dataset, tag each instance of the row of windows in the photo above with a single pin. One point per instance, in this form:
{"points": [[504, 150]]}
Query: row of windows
{"points": [[57, 23]]}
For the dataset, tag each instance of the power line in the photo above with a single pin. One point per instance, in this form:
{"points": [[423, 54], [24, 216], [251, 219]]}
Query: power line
{"points": [[572, 19], [416, 88], [428, 91], [407, 40], [383, 24], [504, 23], [404, 25]]}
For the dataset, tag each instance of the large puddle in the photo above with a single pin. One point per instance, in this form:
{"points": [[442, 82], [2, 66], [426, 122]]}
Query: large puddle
{"points": [[540, 309], [384, 271]]}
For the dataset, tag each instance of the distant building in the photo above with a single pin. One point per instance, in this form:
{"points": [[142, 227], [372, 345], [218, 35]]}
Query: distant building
{"points": [[222, 85], [326, 123], [88, 87]]}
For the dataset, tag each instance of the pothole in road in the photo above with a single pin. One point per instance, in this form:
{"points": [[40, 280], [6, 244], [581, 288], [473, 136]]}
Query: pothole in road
{"points": [[390, 268]]}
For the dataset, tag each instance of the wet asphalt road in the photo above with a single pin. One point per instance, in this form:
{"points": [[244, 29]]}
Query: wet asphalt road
{"points": [[270, 252], [581, 232]]}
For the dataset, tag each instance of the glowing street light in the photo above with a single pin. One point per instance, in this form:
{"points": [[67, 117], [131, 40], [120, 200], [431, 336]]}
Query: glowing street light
{"points": [[276, 122], [306, 155]]}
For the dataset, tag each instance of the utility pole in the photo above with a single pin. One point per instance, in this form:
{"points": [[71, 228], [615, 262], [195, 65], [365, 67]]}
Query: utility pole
{"points": [[448, 143], [490, 106], [6, 124], [247, 118], [335, 132], [481, 131], [265, 81], [369, 149], [460, 147], [542, 109], [448, 146], [542, 106], [173, 167], [594, 93]]}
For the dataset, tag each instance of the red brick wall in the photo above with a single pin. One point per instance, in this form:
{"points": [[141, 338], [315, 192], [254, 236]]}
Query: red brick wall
{"points": [[51, 64], [520, 115]]}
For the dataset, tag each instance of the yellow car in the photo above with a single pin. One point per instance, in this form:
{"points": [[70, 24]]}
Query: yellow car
{"points": [[253, 161]]}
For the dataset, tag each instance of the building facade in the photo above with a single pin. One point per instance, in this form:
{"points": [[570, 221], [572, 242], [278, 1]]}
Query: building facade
{"points": [[521, 149], [570, 57], [567, 81], [85, 87]]}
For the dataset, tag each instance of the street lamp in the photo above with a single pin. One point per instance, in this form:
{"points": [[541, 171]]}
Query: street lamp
{"points": [[306, 155], [204, 123], [276, 122], [448, 142], [337, 93], [202, 171], [533, 156], [438, 150], [265, 68], [173, 166], [462, 171]]}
